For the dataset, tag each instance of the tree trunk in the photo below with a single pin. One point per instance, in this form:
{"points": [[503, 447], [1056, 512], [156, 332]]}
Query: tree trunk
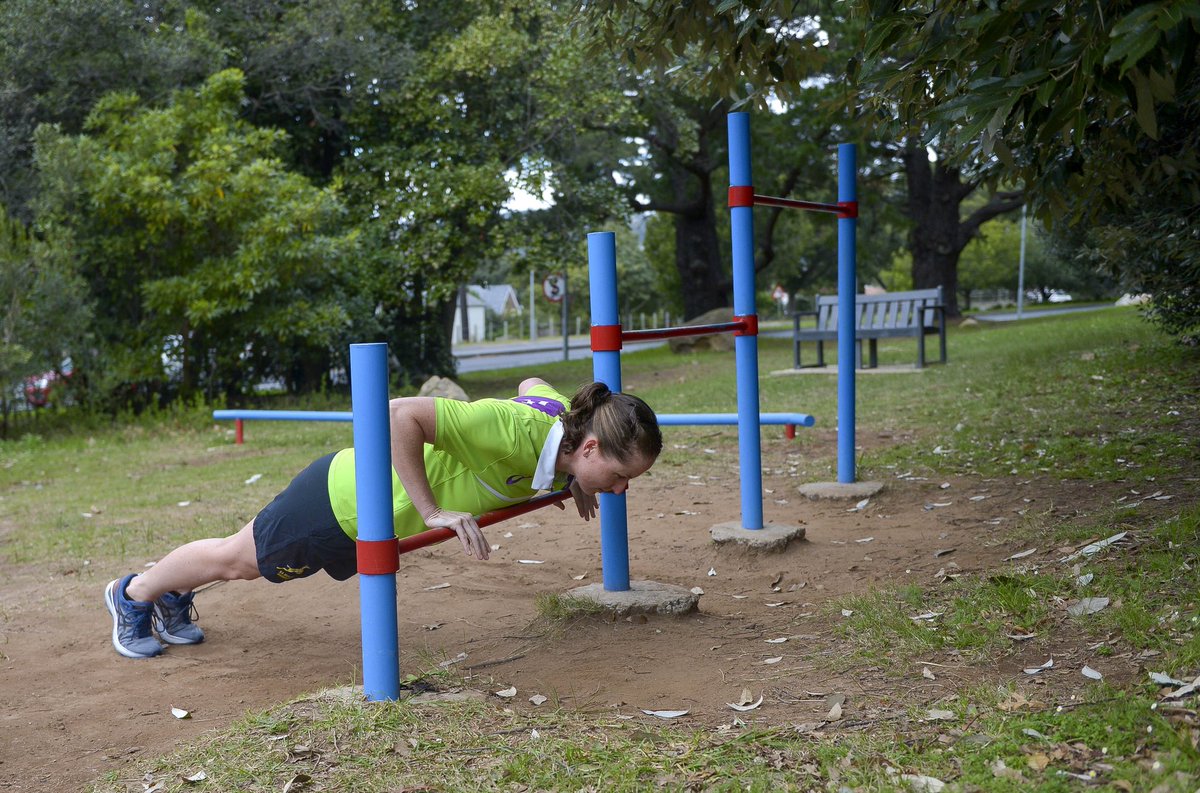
{"points": [[705, 285], [937, 234]]}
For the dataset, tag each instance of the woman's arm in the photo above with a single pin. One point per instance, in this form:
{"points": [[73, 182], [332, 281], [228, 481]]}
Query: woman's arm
{"points": [[413, 424]]}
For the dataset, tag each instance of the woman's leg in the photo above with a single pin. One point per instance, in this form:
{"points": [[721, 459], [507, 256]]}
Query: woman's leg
{"points": [[198, 563]]}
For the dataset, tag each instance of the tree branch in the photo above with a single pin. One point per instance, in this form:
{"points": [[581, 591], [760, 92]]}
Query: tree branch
{"points": [[999, 204]]}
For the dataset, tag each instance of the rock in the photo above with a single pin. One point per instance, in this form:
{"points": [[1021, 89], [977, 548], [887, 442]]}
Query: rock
{"points": [[717, 341], [443, 387]]}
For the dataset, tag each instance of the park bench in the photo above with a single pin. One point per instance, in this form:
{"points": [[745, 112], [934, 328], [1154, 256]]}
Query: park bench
{"points": [[886, 316]]}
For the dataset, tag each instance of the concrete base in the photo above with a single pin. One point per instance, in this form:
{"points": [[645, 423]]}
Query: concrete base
{"points": [[771, 537], [642, 597], [837, 490], [885, 369]]}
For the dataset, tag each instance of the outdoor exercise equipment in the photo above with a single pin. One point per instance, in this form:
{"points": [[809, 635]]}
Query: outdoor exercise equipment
{"points": [[608, 336], [742, 200], [378, 548]]}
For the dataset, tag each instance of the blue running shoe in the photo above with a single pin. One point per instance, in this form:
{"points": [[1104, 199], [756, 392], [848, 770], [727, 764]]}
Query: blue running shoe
{"points": [[173, 619], [131, 622]]}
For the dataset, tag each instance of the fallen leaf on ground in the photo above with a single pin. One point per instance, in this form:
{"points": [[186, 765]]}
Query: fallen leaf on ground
{"points": [[530, 561], [666, 714], [507, 693], [1022, 554], [452, 661], [436, 586], [940, 715], [1087, 606], [746, 703], [199, 776], [180, 713], [1033, 670], [296, 782], [775, 660], [780, 640], [1091, 673], [1092, 548], [925, 673], [924, 784]]}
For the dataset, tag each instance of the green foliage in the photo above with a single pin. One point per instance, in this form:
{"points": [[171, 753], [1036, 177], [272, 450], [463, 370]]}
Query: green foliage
{"points": [[202, 252], [1094, 108], [44, 310], [58, 57], [744, 51]]}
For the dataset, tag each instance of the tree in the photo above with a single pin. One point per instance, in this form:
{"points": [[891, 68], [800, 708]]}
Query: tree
{"points": [[45, 309], [938, 233], [1093, 107], [58, 57], [200, 250]]}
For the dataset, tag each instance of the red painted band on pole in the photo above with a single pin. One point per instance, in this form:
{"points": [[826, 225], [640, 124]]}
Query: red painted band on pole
{"points": [[748, 323], [742, 196], [434, 536], [377, 557], [237, 432], [690, 330], [849, 209], [606, 338], [792, 203]]}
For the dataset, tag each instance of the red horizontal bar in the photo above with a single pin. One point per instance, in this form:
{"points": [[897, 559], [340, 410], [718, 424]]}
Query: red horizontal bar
{"points": [[434, 536], [690, 330], [792, 203]]}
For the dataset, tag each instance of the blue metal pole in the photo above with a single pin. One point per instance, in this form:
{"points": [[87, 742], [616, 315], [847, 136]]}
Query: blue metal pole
{"points": [[847, 288], [741, 220], [373, 490], [606, 368]]}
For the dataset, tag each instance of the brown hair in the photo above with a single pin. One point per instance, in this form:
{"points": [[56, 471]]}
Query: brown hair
{"points": [[624, 425]]}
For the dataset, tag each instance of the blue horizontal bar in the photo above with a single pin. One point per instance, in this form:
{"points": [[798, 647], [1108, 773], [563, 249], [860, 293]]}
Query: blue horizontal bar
{"points": [[665, 419], [283, 415]]}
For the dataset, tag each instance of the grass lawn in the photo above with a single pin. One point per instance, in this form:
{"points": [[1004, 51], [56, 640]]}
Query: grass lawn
{"points": [[1097, 398]]}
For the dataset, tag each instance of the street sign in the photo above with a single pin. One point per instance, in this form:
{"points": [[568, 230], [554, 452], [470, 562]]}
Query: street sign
{"points": [[554, 288]]}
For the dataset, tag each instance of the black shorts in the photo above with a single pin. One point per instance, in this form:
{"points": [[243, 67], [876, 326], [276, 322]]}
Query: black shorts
{"points": [[296, 534]]}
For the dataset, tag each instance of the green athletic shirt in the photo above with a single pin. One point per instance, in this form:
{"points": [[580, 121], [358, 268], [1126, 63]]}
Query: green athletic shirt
{"points": [[485, 456]]}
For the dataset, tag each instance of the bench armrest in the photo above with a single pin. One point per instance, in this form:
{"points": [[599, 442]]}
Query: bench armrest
{"points": [[796, 316]]}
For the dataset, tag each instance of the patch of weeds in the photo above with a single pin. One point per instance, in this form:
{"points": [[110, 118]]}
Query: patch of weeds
{"points": [[560, 608]]}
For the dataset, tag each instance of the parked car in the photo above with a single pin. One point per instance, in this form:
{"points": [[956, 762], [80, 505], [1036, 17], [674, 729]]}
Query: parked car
{"points": [[40, 388]]}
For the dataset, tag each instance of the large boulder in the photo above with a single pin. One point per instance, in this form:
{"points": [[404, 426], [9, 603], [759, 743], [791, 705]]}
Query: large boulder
{"points": [[716, 341], [443, 387]]}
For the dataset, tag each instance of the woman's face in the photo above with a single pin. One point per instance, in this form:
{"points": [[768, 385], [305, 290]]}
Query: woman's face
{"points": [[596, 472]]}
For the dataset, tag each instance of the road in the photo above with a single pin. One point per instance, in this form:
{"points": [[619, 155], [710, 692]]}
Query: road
{"points": [[490, 356], [486, 357]]}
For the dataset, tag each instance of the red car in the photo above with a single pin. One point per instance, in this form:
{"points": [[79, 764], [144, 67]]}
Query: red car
{"points": [[39, 388]]}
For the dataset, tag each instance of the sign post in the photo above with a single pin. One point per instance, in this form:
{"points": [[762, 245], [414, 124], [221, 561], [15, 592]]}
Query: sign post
{"points": [[555, 290]]}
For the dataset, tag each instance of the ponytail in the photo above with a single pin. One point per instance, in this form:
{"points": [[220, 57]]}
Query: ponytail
{"points": [[624, 425]]}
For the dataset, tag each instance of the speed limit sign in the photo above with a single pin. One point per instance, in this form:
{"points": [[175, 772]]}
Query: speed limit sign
{"points": [[554, 288]]}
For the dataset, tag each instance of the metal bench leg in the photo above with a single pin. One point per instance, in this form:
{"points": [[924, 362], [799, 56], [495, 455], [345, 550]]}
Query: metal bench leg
{"points": [[858, 354], [942, 340], [874, 356], [820, 353], [921, 350]]}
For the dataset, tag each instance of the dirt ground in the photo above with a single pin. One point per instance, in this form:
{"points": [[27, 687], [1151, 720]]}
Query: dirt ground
{"points": [[71, 709]]}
